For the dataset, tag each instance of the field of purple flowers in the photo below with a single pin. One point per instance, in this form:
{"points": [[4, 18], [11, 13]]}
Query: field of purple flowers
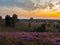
{"points": [[29, 38]]}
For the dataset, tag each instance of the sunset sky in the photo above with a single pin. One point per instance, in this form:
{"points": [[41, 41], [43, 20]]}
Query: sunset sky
{"points": [[45, 9]]}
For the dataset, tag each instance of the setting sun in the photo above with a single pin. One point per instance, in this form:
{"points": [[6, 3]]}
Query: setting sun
{"points": [[48, 9]]}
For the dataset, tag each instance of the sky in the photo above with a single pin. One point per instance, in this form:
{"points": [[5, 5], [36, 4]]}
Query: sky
{"points": [[45, 9]]}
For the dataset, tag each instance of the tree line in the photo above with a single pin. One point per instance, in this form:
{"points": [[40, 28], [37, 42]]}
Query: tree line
{"points": [[10, 21]]}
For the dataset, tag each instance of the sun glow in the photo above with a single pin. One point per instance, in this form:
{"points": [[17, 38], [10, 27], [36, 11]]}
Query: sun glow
{"points": [[39, 8]]}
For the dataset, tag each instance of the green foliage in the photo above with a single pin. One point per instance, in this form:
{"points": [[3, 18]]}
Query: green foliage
{"points": [[35, 29], [41, 28], [7, 20], [11, 21], [15, 17], [14, 20]]}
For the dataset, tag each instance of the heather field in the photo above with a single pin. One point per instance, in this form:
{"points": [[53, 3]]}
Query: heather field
{"points": [[29, 22], [29, 38]]}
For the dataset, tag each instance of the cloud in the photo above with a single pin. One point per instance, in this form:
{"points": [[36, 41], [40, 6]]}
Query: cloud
{"points": [[25, 4]]}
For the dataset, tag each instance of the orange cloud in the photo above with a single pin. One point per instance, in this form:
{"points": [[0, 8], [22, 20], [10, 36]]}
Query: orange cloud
{"points": [[38, 14], [34, 13]]}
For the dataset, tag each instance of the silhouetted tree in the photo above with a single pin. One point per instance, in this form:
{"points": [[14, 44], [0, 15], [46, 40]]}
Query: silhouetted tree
{"points": [[30, 21], [1, 21], [7, 20], [14, 19], [0, 17]]}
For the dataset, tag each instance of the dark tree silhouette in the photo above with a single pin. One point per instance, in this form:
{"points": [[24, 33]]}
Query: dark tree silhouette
{"points": [[14, 19], [1, 21], [12, 23], [7, 20], [0, 17], [30, 21]]}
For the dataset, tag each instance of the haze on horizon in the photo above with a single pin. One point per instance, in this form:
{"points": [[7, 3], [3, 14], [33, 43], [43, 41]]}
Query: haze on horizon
{"points": [[45, 9]]}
